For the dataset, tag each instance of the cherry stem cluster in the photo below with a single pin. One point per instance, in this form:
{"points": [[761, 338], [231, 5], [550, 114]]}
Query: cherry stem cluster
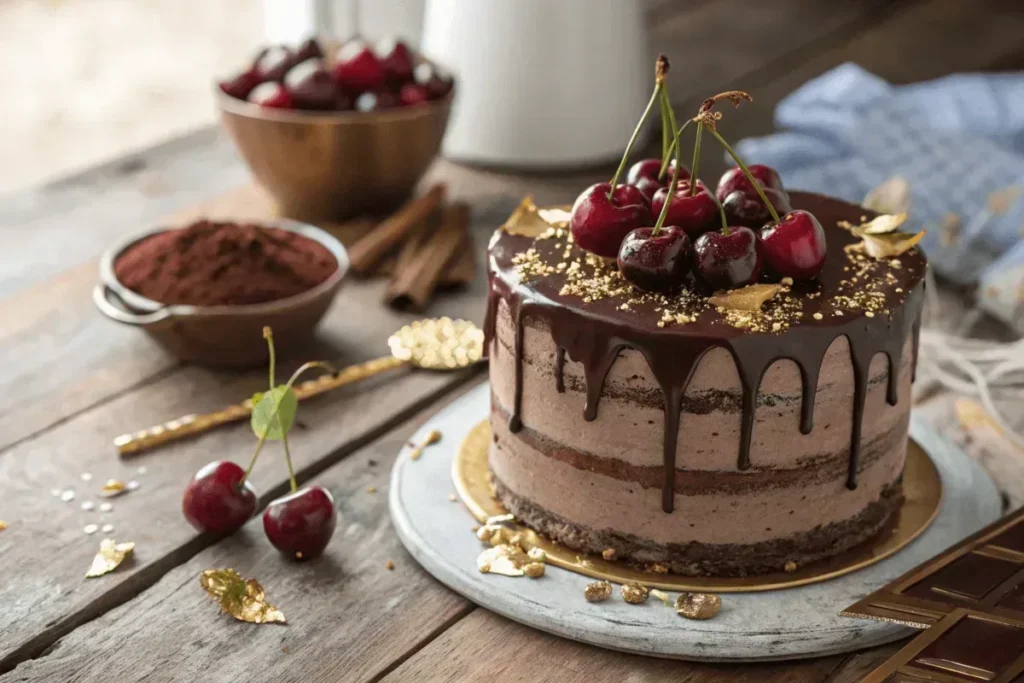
{"points": [[660, 71], [669, 123], [750, 176]]}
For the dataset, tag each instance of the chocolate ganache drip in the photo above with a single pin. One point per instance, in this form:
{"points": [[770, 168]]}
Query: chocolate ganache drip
{"points": [[593, 334]]}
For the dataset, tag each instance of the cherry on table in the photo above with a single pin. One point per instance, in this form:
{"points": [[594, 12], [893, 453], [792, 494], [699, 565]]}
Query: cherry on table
{"points": [[412, 94], [695, 213], [301, 524], [273, 95], [795, 247], [655, 263], [599, 223], [743, 208], [734, 179], [437, 82], [273, 62], [728, 258], [216, 501], [396, 58], [308, 50], [357, 68], [311, 85], [241, 85]]}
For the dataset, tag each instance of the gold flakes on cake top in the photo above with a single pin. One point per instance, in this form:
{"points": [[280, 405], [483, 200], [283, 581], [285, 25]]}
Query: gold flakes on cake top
{"points": [[598, 591], [698, 605]]}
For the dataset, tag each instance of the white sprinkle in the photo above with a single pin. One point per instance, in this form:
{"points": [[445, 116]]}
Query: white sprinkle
{"points": [[67, 495], [106, 507], [818, 316], [86, 476], [141, 470], [88, 505], [55, 493], [107, 528], [90, 528], [132, 485], [869, 314]]}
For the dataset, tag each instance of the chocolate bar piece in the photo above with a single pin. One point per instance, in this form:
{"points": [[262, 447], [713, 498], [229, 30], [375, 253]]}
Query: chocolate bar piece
{"points": [[984, 573], [964, 646]]}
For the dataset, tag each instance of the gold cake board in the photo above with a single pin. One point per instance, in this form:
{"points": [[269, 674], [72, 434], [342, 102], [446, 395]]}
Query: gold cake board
{"points": [[922, 490]]}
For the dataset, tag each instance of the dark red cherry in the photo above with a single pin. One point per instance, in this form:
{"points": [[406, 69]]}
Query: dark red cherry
{"points": [[795, 247], [746, 209], [375, 101], [645, 168], [396, 58], [599, 224], [695, 214], [684, 172], [301, 524], [241, 85], [311, 85], [437, 82], [412, 94], [216, 501], [308, 50], [727, 259], [272, 95], [734, 179], [357, 69], [648, 187], [272, 63], [655, 264]]}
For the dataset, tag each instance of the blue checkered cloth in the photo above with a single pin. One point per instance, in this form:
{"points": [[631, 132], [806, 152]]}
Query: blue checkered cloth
{"points": [[956, 140]]}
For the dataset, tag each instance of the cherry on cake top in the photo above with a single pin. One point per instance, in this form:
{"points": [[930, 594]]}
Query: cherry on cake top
{"points": [[357, 76]]}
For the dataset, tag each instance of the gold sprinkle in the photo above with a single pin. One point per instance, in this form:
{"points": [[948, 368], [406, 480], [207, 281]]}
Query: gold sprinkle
{"points": [[537, 555], [534, 570], [659, 568], [598, 591], [817, 316], [634, 593], [452, 497], [371, 489], [113, 487], [389, 565], [109, 557], [608, 553], [790, 566], [749, 298], [869, 314], [500, 559], [3, 525], [661, 595], [698, 605], [244, 599], [432, 437]]}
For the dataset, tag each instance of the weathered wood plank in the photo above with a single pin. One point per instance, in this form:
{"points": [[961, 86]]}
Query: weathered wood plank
{"points": [[486, 647], [349, 617], [856, 666]]}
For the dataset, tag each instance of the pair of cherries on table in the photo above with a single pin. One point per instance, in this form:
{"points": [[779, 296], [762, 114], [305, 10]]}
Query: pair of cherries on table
{"points": [[360, 77], [219, 499], [613, 224]]}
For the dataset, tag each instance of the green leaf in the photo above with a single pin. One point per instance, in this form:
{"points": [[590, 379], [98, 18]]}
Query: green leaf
{"points": [[274, 413]]}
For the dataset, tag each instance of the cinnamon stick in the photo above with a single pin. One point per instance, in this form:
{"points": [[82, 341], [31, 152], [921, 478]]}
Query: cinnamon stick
{"points": [[368, 251], [420, 268]]}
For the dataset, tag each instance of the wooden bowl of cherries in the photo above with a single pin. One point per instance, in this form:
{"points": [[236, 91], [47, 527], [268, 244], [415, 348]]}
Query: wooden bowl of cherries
{"points": [[333, 132]]}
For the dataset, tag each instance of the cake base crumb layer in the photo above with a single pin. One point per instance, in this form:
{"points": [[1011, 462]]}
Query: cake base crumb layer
{"points": [[702, 559]]}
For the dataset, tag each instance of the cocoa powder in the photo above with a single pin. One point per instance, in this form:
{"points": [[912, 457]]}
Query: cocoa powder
{"points": [[211, 264]]}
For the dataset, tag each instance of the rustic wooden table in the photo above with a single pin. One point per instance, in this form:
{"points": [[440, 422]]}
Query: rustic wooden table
{"points": [[72, 380]]}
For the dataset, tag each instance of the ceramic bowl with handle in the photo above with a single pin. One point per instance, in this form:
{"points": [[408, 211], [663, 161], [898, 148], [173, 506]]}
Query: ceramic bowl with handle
{"points": [[230, 335]]}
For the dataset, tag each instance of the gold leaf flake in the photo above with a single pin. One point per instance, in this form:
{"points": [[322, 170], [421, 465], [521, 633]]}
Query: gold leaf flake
{"points": [[892, 196], [529, 221], [113, 487], [496, 560], [879, 225], [598, 591], [3, 525], [698, 605], [109, 557], [244, 599], [555, 217], [889, 245], [537, 555], [749, 298], [634, 593]]}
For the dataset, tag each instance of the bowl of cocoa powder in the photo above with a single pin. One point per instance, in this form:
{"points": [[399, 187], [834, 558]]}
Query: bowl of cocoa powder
{"points": [[206, 290]]}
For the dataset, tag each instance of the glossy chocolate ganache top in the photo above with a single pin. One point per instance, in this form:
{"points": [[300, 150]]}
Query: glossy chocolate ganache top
{"points": [[593, 314]]}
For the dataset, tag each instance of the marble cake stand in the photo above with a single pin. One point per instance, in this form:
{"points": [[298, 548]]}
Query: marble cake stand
{"points": [[783, 624]]}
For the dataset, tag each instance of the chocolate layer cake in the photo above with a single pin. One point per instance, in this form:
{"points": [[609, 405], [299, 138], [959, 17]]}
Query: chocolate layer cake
{"points": [[708, 439]]}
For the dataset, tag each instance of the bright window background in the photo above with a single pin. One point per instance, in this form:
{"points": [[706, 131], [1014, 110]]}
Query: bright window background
{"points": [[83, 81]]}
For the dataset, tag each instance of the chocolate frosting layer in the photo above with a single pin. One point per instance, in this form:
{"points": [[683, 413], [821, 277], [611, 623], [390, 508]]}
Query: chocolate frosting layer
{"points": [[875, 304]]}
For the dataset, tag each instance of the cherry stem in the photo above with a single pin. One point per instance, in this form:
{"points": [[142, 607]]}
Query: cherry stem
{"points": [[696, 160], [672, 147], [288, 459], [721, 212], [309, 366], [675, 171], [252, 461], [666, 135], [750, 176], [632, 140], [269, 336]]}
